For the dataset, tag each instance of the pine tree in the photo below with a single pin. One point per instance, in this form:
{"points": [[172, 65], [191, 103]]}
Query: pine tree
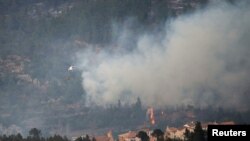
{"points": [[158, 134], [199, 134], [143, 136]]}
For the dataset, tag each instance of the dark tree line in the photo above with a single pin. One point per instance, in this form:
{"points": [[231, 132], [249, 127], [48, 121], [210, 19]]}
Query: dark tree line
{"points": [[34, 135], [86, 138]]}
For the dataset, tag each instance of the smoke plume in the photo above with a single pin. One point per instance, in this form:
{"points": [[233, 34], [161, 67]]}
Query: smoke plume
{"points": [[199, 59]]}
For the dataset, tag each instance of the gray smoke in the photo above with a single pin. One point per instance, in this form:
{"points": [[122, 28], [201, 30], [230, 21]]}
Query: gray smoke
{"points": [[13, 129], [203, 59]]}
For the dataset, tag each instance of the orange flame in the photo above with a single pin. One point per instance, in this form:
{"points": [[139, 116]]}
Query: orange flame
{"points": [[151, 115]]}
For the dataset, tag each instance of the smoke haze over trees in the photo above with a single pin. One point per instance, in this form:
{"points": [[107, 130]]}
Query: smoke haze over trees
{"points": [[192, 61], [126, 55]]}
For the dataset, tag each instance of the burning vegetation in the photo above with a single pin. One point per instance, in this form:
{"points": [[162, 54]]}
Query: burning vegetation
{"points": [[92, 66]]}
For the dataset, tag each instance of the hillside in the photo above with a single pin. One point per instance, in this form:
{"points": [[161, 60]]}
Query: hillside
{"points": [[40, 40]]}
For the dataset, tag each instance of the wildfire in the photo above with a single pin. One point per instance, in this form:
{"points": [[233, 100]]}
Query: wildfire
{"points": [[150, 113]]}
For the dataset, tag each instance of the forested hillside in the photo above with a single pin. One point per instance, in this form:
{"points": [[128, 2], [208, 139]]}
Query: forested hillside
{"points": [[39, 40]]}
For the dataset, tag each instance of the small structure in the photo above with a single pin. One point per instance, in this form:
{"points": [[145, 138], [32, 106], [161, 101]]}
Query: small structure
{"points": [[107, 137], [129, 136], [179, 133], [175, 133]]}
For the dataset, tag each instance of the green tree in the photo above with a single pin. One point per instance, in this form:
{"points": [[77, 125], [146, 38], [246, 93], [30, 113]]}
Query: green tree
{"points": [[79, 139], [18, 137], [138, 104], [35, 134], [199, 134], [188, 135], [87, 138], [119, 105], [143, 136], [158, 134]]}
